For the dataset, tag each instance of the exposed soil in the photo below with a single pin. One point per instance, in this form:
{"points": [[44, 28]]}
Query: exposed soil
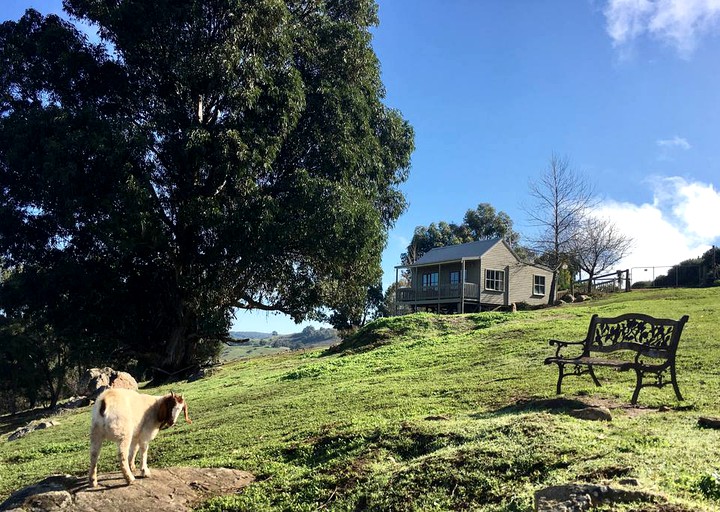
{"points": [[172, 489]]}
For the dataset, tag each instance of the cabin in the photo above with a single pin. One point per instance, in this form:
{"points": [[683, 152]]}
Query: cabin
{"points": [[471, 277]]}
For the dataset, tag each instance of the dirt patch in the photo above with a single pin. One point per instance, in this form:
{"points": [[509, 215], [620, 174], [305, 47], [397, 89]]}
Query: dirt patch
{"points": [[172, 489]]}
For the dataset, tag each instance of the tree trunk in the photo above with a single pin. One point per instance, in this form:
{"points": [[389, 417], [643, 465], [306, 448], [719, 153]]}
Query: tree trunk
{"points": [[176, 351], [553, 286]]}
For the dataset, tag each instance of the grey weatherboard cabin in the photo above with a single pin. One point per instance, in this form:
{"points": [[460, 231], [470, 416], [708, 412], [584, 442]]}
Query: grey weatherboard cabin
{"points": [[467, 278]]}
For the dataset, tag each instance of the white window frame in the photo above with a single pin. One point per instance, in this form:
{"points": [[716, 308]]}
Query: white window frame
{"points": [[494, 280], [537, 285], [427, 280], [450, 277]]}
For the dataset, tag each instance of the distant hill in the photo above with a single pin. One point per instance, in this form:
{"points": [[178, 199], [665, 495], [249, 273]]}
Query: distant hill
{"points": [[261, 344], [242, 335]]}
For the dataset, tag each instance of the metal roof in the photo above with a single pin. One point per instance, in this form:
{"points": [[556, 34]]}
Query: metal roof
{"points": [[457, 252]]}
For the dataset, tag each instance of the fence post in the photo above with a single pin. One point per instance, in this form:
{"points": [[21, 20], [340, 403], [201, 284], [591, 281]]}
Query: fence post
{"points": [[627, 280]]}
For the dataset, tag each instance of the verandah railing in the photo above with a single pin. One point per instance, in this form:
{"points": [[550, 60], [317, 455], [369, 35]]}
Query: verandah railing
{"points": [[437, 292]]}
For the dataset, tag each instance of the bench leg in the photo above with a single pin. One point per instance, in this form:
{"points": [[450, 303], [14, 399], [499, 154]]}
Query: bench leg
{"points": [[674, 383], [594, 378], [561, 374]]}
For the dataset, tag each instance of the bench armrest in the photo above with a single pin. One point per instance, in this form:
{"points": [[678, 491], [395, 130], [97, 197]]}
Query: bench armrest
{"points": [[562, 344]]}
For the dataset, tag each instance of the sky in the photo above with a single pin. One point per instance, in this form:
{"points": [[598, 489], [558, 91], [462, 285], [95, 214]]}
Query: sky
{"points": [[627, 90]]}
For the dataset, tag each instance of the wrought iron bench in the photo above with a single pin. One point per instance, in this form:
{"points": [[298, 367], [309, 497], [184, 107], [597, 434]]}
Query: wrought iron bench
{"points": [[654, 341]]}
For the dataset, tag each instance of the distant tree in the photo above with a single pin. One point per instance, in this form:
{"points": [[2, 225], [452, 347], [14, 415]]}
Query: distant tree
{"points": [[485, 223], [203, 156], [560, 199], [482, 223], [687, 273], [365, 305], [567, 269], [711, 266], [598, 245]]}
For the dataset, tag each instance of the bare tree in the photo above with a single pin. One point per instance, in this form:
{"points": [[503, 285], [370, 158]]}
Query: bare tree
{"points": [[598, 245], [560, 199]]}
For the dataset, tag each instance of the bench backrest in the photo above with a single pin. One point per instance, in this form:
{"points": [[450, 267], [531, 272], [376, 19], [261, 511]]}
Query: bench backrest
{"points": [[653, 337]]}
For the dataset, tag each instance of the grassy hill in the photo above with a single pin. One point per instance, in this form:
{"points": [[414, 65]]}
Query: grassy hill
{"points": [[431, 413]]}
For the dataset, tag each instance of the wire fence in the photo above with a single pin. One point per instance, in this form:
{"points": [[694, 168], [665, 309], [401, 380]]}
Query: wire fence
{"points": [[668, 276], [652, 276]]}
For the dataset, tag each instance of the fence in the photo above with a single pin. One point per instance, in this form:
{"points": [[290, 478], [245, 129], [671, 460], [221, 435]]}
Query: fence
{"points": [[615, 281], [668, 276]]}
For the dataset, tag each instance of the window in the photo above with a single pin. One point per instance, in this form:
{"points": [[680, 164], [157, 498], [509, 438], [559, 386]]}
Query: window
{"points": [[538, 285], [430, 279], [455, 277], [495, 280]]}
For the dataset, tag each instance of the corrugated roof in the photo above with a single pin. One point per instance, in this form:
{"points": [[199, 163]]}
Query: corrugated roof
{"points": [[457, 252]]}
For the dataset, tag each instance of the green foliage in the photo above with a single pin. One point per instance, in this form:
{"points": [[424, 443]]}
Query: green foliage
{"points": [[480, 224], [448, 413], [358, 308], [709, 486], [702, 271], [204, 156]]}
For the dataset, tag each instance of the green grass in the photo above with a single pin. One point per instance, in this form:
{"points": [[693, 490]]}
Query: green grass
{"points": [[431, 413], [238, 352]]}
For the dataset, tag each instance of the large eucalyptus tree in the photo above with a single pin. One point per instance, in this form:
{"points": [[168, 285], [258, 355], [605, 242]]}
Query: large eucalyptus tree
{"points": [[197, 157]]}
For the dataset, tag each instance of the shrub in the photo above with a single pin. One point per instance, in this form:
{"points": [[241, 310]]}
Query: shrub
{"points": [[709, 486]]}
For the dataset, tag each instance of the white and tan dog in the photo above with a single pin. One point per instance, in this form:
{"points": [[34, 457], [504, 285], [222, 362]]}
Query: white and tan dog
{"points": [[132, 420]]}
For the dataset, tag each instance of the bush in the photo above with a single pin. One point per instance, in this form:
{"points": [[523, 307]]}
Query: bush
{"points": [[709, 486]]}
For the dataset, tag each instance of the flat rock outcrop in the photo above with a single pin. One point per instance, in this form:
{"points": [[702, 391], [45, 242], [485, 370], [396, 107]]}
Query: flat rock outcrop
{"points": [[171, 489]]}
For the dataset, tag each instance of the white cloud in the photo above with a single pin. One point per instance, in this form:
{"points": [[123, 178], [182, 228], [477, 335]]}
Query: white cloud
{"points": [[675, 142], [680, 224], [679, 23], [695, 206]]}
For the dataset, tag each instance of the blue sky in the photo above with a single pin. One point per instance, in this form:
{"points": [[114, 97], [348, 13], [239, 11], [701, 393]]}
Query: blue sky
{"points": [[627, 90]]}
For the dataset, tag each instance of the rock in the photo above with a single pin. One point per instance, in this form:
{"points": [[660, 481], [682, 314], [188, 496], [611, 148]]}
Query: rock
{"points": [[709, 422], [172, 489], [21, 432], [53, 500], [123, 380], [46, 424], [75, 402], [440, 417], [581, 497], [97, 380], [201, 374], [592, 413], [23, 499], [31, 427]]}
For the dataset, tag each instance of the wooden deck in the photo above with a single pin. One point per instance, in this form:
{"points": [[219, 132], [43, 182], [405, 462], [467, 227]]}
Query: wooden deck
{"points": [[443, 292]]}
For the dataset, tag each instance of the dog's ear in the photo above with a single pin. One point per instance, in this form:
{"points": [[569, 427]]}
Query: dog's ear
{"points": [[165, 410], [187, 418]]}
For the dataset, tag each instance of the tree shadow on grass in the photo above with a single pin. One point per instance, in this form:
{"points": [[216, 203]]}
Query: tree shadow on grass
{"points": [[559, 405]]}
